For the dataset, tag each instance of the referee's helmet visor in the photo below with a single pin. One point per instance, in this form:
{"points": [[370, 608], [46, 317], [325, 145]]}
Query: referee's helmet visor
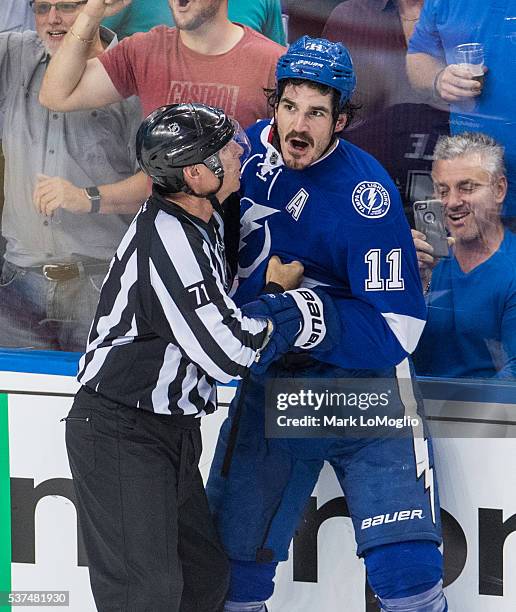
{"points": [[239, 146]]}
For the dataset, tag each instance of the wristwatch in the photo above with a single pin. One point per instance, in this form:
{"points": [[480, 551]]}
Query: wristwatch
{"points": [[94, 197]]}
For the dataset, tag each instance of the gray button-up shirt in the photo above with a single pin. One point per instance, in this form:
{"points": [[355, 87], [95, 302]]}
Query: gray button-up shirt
{"points": [[85, 147], [16, 16]]}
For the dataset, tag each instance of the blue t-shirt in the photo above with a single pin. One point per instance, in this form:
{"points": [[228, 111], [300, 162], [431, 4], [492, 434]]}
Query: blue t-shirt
{"points": [[442, 25], [471, 327], [264, 16], [342, 217], [140, 16]]}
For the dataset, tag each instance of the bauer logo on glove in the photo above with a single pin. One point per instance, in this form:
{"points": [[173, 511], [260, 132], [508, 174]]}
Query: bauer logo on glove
{"points": [[301, 319], [313, 330]]}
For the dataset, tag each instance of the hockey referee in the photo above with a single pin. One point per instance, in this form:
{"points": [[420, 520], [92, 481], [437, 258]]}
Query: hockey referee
{"points": [[165, 330]]}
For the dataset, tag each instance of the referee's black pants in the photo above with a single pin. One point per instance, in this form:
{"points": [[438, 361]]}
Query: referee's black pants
{"points": [[148, 532]]}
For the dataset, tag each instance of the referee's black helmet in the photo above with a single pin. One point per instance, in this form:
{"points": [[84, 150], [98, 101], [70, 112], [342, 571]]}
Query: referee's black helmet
{"points": [[179, 135]]}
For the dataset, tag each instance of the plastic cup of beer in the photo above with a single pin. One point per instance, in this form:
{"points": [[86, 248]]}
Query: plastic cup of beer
{"points": [[471, 56]]}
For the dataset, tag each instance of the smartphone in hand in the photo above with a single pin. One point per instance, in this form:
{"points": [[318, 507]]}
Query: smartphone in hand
{"points": [[429, 219]]}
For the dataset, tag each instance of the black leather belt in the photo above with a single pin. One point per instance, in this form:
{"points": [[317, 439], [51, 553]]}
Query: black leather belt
{"points": [[69, 271]]}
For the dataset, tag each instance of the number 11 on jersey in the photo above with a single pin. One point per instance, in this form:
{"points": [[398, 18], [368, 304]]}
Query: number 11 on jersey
{"points": [[375, 282]]}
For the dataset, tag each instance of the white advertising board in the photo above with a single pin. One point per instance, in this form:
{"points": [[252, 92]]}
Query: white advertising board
{"points": [[477, 487]]}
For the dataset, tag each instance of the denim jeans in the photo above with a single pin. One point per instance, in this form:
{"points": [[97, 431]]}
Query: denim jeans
{"points": [[39, 313]]}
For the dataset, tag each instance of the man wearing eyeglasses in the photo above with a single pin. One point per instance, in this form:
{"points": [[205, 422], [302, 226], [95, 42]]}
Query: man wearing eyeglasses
{"points": [[206, 58], [64, 174], [471, 325], [435, 71]]}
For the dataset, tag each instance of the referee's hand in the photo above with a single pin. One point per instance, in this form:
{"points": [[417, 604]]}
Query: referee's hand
{"points": [[289, 276]]}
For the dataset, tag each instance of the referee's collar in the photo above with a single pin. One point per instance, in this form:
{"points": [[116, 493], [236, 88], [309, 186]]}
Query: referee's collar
{"points": [[171, 208]]}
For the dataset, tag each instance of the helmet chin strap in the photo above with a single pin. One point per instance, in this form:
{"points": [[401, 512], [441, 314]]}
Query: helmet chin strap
{"points": [[213, 164], [211, 196], [214, 201]]}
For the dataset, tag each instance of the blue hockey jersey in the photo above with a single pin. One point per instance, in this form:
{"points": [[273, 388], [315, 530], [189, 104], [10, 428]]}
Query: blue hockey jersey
{"points": [[341, 217]]}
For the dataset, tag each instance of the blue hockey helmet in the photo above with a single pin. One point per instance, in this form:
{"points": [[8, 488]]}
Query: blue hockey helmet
{"points": [[321, 61]]}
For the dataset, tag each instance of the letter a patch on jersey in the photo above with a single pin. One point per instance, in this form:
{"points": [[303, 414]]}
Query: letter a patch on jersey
{"points": [[297, 203]]}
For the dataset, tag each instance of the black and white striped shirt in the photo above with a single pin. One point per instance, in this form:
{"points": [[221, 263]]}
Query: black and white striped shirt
{"points": [[165, 328]]}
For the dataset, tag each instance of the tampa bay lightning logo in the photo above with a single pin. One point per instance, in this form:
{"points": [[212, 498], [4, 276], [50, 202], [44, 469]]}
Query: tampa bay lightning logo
{"points": [[371, 199], [255, 244]]}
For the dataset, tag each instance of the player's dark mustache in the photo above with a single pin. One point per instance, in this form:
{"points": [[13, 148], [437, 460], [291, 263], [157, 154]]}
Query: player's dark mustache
{"points": [[301, 136]]}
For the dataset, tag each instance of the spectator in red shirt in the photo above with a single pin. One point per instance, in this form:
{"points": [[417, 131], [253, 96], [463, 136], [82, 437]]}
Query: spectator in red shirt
{"points": [[206, 59]]}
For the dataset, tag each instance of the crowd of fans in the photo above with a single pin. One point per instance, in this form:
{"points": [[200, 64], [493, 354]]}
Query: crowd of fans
{"points": [[71, 185]]}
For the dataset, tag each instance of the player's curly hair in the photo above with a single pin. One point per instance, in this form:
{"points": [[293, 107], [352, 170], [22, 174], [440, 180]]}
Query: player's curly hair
{"points": [[350, 109]]}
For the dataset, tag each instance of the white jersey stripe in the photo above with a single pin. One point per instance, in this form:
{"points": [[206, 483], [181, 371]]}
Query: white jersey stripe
{"points": [[179, 250], [105, 323], [421, 452], [184, 335], [166, 375], [407, 329], [189, 383]]}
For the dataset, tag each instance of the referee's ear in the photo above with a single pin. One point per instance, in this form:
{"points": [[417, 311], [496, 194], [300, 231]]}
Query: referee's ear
{"points": [[192, 172], [192, 176]]}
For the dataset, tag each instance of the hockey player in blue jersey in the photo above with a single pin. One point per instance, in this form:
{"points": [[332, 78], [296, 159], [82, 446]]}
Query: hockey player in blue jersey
{"points": [[309, 196]]}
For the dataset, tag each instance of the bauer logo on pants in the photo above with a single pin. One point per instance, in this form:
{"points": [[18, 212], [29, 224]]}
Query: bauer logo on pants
{"points": [[383, 519]]}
